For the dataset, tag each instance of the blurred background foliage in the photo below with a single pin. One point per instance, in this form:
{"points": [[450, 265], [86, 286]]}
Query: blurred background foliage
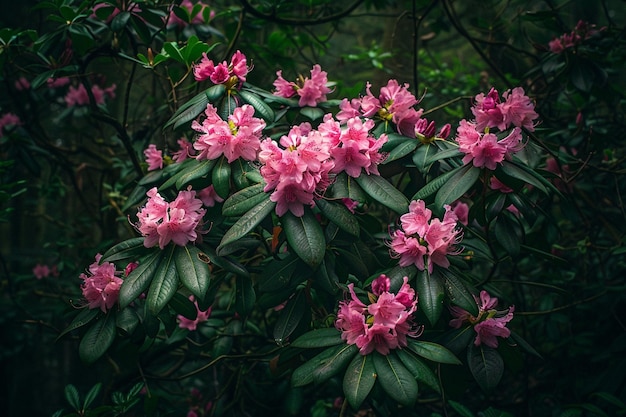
{"points": [[66, 174]]}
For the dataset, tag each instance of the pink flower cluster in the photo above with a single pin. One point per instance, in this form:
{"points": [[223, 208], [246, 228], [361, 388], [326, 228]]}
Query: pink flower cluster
{"points": [[382, 325], [239, 137], [101, 286], [179, 221], [302, 166], [298, 170], [394, 103], [185, 323], [311, 90], [484, 148], [154, 157], [78, 96], [422, 240], [197, 19], [490, 322], [41, 271], [233, 74], [582, 31], [8, 119]]}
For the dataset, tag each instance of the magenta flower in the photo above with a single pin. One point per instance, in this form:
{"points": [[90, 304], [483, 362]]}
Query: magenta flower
{"points": [[516, 110], [209, 196], [162, 222], [233, 74], [202, 316], [582, 31], [490, 322], [57, 82], [311, 90], [154, 157], [41, 271], [197, 19], [384, 324], [239, 137], [78, 96], [22, 84], [7, 120], [422, 240], [486, 150], [297, 170], [101, 286], [186, 151]]}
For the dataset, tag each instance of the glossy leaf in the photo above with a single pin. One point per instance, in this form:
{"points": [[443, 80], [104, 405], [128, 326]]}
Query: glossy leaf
{"points": [[261, 107], [303, 375], [190, 110], [139, 279], [245, 297], [221, 177], [277, 274], [97, 339], [526, 175], [402, 149], [319, 338], [313, 113], [290, 317], [345, 186], [91, 395], [332, 365], [340, 215], [127, 320], [431, 292], [382, 191], [164, 284], [506, 234], [83, 318], [305, 236], [183, 306], [433, 351], [434, 185], [359, 379], [243, 200], [459, 293], [486, 366], [225, 263], [128, 249], [395, 379], [193, 272], [197, 170], [457, 185], [247, 222], [420, 371], [72, 397]]}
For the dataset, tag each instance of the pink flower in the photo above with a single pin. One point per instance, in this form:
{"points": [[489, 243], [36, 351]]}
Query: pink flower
{"points": [[78, 96], [186, 150], [239, 137], [162, 222], [130, 268], [489, 324], [486, 150], [233, 74], [496, 184], [22, 84], [7, 120], [461, 211], [57, 82], [202, 316], [518, 109], [41, 271], [197, 19], [311, 90], [209, 197], [154, 157], [355, 149], [100, 285], [582, 31], [384, 324], [422, 240]]}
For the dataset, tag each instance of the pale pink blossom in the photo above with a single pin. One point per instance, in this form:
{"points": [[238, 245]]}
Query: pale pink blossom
{"points": [[100, 285], [209, 196], [489, 324], [22, 84], [239, 137], [310, 90], [57, 82], [355, 149], [154, 157], [186, 151], [486, 149], [496, 184], [383, 324], [162, 222], [461, 211], [41, 271], [78, 96], [191, 325], [425, 241], [233, 73]]}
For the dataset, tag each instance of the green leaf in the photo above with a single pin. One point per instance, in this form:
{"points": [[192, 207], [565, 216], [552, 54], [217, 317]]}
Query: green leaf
{"points": [[128, 249], [333, 364], [395, 379], [97, 339], [402, 149], [83, 318], [434, 185], [290, 317], [245, 297], [183, 306], [461, 409], [420, 371], [277, 274], [319, 338], [247, 222], [359, 379], [197, 170], [431, 293], [91, 395], [340, 215], [164, 284], [505, 231], [382, 191], [192, 270], [523, 173], [312, 113], [459, 293], [260, 107], [221, 177], [433, 351], [225, 263], [171, 48], [138, 280], [120, 21], [519, 340], [243, 200], [486, 366], [127, 320], [344, 186], [422, 157], [71, 395], [457, 185], [305, 236], [303, 374]]}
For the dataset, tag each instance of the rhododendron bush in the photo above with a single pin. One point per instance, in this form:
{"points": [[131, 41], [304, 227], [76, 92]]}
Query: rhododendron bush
{"points": [[278, 241]]}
